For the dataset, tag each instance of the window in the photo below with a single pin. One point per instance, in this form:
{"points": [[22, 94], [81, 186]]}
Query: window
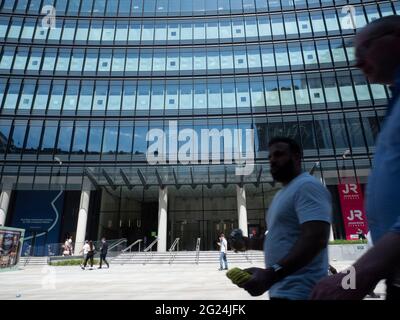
{"points": [[317, 22], [200, 97], [324, 55], [125, 138], [225, 31], [129, 96], [33, 137], [69, 30], [277, 26], [254, 59], [264, 27], [42, 95], [57, 95], [86, 96], [20, 59], [271, 91], [157, 96], [12, 94], [267, 57], [110, 138], [286, 91], [65, 137], [71, 96], [18, 137], [257, 93], [226, 58], [105, 61], [118, 63], [291, 25], [7, 59], [295, 55], [95, 138], [77, 61], [91, 61], [143, 97], [140, 143], [49, 60], [214, 95], [121, 34], [281, 57], [5, 127], [132, 61], [29, 28], [35, 60], [171, 99], [251, 28], [63, 60], [95, 30], [186, 96], [109, 30], [228, 94], [345, 87], [80, 137], [301, 90], [100, 96], [330, 88], [26, 99], [49, 137]]}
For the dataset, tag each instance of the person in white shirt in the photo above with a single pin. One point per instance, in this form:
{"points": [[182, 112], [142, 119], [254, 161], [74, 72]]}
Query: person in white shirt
{"points": [[223, 247], [85, 250]]}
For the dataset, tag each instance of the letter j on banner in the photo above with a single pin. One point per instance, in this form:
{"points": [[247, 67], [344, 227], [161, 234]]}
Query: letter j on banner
{"points": [[352, 204]]}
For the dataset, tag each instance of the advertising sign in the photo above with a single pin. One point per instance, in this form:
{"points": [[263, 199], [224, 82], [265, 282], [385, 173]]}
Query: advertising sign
{"points": [[11, 240], [352, 204]]}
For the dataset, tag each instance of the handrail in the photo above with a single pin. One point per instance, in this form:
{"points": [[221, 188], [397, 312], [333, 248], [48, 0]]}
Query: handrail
{"points": [[171, 250], [133, 244], [149, 248], [117, 243], [197, 250]]}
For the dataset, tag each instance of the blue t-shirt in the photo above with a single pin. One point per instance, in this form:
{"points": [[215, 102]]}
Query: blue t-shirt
{"points": [[304, 199], [383, 188]]}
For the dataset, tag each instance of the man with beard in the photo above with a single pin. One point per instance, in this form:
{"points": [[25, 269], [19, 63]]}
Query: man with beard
{"points": [[298, 222]]}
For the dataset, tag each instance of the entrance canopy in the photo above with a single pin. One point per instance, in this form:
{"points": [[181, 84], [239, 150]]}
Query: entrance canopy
{"points": [[177, 176]]}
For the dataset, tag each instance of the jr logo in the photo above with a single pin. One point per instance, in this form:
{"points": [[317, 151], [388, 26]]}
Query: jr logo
{"points": [[355, 214], [350, 187]]}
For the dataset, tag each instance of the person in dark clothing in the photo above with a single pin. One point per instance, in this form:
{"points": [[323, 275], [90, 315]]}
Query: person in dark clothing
{"points": [[89, 255], [103, 252]]}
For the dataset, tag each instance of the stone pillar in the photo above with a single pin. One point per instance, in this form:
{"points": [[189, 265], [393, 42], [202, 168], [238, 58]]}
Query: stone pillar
{"points": [[82, 221], [162, 220], [4, 201], [331, 238], [242, 210]]}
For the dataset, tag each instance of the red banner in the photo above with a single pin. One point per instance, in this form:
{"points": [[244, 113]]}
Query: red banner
{"points": [[352, 204]]}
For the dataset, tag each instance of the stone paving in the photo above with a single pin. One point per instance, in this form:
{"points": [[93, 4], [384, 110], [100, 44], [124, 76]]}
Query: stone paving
{"points": [[128, 282]]}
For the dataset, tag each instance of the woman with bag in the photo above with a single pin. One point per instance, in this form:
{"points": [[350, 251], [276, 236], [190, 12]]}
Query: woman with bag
{"points": [[89, 255]]}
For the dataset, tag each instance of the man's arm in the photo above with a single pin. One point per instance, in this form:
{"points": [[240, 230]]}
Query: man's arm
{"points": [[313, 239]]}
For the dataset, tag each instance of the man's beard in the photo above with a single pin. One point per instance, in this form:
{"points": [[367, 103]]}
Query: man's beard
{"points": [[284, 173]]}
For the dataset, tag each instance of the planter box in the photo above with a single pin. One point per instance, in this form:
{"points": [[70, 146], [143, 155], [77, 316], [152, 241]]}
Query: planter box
{"points": [[346, 252]]}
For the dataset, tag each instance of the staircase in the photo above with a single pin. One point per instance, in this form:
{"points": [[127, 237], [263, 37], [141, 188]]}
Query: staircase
{"points": [[32, 261], [187, 257]]}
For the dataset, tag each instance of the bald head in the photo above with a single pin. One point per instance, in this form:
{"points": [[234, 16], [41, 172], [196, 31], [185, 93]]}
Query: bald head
{"points": [[378, 49]]}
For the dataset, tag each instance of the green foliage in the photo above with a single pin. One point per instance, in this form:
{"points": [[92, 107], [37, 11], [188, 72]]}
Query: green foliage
{"points": [[348, 242], [71, 262]]}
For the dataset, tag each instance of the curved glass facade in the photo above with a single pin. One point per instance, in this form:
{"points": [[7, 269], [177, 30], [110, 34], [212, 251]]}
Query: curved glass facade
{"points": [[84, 82]]}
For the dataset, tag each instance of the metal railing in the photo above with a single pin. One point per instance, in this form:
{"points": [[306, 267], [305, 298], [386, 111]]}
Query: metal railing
{"points": [[129, 248], [173, 251], [197, 250], [146, 251]]}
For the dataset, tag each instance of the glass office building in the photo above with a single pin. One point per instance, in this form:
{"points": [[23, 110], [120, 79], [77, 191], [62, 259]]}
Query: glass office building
{"points": [[82, 82]]}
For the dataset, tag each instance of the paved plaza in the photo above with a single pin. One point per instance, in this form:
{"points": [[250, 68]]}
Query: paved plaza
{"points": [[134, 282]]}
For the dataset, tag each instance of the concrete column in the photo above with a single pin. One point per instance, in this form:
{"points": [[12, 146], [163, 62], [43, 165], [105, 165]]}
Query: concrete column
{"points": [[162, 220], [331, 238], [4, 201], [82, 221], [242, 210]]}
